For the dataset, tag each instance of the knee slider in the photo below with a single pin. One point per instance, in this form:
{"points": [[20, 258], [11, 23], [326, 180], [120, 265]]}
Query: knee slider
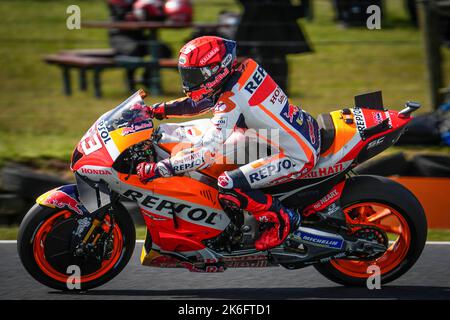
{"points": [[224, 181]]}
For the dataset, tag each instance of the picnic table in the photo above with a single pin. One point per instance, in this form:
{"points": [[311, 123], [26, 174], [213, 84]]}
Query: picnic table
{"points": [[95, 61], [154, 66]]}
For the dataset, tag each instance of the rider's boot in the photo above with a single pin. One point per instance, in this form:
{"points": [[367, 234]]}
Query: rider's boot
{"points": [[282, 222], [277, 221]]}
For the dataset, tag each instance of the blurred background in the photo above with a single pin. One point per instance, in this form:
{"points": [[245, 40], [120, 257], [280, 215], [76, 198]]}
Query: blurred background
{"points": [[55, 82]]}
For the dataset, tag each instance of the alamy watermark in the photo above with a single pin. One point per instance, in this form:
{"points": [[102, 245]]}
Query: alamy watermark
{"points": [[374, 280], [73, 282], [73, 21], [241, 147], [374, 20]]}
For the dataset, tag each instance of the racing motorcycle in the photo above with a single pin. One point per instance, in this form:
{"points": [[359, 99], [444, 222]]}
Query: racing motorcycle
{"points": [[349, 222]]}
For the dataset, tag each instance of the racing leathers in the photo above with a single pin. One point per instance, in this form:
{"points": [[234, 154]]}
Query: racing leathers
{"points": [[250, 99]]}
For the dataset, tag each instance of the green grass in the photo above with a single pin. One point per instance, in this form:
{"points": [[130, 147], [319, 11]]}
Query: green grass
{"points": [[438, 235], [10, 233], [37, 120]]}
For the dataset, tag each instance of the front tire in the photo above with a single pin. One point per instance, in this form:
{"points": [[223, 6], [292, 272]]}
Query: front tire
{"points": [[382, 203], [43, 245]]}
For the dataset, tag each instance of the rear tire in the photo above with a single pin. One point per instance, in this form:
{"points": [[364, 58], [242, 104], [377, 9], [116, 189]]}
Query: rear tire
{"points": [[36, 218], [361, 189]]}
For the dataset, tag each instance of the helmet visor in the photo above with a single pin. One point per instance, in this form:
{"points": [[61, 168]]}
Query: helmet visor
{"points": [[194, 77]]}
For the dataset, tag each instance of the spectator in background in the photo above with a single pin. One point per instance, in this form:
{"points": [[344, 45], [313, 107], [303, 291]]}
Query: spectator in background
{"points": [[135, 42], [444, 21], [353, 13], [444, 27], [411, 7], [268, 31], [178, 11]]}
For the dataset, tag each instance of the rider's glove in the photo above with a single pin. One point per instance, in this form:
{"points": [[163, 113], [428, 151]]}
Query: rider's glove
{"points": [[148, 171], [157, 111]]}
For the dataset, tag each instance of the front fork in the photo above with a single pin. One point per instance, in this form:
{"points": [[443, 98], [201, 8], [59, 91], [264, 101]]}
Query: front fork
{"points": [[89, 230]]}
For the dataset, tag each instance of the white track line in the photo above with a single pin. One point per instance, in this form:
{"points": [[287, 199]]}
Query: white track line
{"points": [[15, 241], [142, 241], [439, 242]]}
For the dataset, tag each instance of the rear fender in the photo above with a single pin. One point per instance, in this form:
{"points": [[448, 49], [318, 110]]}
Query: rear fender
{"points": [[64, 197]]}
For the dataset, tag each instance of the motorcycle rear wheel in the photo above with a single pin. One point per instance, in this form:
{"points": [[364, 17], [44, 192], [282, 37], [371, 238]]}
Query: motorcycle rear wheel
{"points": [[381, 203], [43, 245]]}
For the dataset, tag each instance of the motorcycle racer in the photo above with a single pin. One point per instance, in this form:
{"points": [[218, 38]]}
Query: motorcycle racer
{"points": [[241, 96]]}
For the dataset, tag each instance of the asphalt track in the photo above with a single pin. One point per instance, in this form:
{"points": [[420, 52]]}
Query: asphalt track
{"points": [[428, 279]]}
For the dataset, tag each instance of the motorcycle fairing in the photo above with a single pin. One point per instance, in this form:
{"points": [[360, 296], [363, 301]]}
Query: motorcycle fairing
{"points": [[328, 201], [351, 139], [155, 257], [64, 197], [111, 134], [178, 210]]}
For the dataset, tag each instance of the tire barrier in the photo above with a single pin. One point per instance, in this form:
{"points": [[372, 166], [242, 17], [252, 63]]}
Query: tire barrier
{"points": [[426, 175], [12, 207], [432, 165], [19, 188], [395, 164], [433, 195]]}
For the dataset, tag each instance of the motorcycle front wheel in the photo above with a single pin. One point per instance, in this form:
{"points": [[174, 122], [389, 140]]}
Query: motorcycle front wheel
{"points": [[44, 247]]}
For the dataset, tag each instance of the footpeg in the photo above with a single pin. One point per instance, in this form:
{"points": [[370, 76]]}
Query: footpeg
{"points": [[294, 245]]}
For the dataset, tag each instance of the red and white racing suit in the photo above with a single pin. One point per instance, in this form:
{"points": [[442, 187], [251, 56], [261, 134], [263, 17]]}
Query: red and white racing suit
{"points": [[251, 99]]}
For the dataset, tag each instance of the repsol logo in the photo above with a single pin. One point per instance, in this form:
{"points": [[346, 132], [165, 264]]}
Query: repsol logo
{"points": [[269, 170], [359, 119], [104, 134], [256, 80], [168, 207], [187, 165]]}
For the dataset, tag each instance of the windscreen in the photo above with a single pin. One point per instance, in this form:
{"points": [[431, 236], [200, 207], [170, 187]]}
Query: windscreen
{"points": [[129, 115]]}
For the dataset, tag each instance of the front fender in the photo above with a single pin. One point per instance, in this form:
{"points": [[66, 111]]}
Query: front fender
{"points": [[64, 197]]}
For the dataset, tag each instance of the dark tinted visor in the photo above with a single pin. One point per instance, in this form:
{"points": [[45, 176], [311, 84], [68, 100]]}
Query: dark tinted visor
{"points": [[192, 77]]}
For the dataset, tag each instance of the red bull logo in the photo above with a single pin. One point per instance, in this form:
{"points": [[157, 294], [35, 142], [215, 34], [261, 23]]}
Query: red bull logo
{"points": [[292, 114], [292, 111], [60, 199]]}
